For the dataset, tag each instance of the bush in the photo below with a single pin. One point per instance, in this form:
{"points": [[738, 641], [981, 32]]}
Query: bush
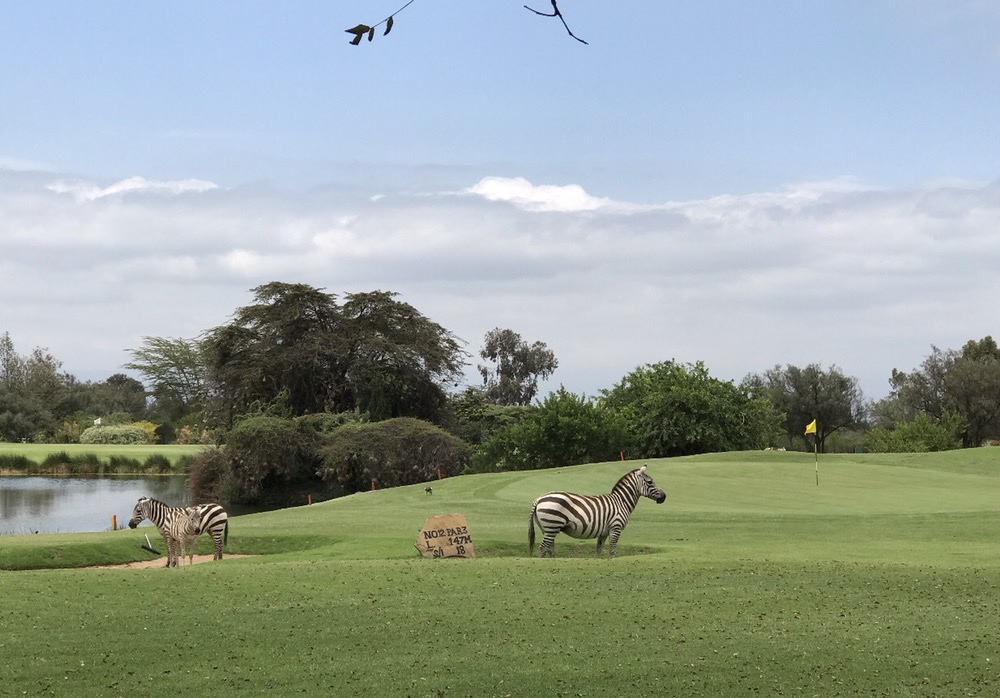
{"points": [[565, 429], [119, 435], [401, 451], [208, 472], [17, 463], [921, 435], [122, 464], [263, 451], [157, 463]]}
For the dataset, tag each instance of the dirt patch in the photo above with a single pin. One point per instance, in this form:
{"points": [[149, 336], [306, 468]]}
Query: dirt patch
{"points": [[161, 562]]}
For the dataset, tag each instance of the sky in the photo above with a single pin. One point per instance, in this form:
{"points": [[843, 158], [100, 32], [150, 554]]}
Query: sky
{"points": [[741, 184]]}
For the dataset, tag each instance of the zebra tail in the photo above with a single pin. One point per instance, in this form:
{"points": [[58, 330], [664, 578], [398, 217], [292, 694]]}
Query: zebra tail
{"points": [[531, 533], [225, 534]]}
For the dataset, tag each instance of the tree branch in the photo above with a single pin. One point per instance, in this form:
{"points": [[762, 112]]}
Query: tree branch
{"points": [[556, 13], [361, 30]]}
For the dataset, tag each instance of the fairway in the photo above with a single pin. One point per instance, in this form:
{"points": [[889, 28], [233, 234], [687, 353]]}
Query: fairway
{"points": [[751, 580]]}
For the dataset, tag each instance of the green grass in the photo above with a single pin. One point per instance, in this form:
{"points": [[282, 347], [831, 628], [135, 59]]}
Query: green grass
{"points": [[749, 581]]}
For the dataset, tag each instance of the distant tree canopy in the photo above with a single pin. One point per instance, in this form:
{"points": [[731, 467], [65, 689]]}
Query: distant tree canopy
{"points": [[517, 367], [833, 399], [966, 383], [373, 354], [674, 409], [565, 429], [34, 395]]}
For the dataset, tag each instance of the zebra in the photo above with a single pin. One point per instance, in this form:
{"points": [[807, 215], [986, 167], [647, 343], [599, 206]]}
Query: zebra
{"points": [[210, 517], [183, 530], [602, 516]]}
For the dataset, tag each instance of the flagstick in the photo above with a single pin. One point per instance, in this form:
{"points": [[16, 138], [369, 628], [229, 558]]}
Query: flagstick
{"points": [[816, 453]]}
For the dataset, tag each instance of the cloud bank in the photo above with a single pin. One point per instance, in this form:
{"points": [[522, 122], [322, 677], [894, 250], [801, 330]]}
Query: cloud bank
{"points": [[827, 272]]}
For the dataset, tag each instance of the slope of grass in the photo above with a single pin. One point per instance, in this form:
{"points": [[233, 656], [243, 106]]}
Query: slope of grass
{"points": [[750, 580]]}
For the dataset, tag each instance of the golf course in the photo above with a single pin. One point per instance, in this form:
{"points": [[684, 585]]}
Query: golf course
{"points": [[763, 574]]}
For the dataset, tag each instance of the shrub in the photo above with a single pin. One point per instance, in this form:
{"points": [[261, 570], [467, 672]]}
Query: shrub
{"points": [[402, 451], [17, 463], [157, 463], [84, 464], [921, 435], [264, 450], [565, 429], [208, 473], [55, 460], [124, 434], [149, 428], [122, 464]]}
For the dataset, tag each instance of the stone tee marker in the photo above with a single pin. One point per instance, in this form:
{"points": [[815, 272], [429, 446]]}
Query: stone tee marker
{"points": [[445, 536]]}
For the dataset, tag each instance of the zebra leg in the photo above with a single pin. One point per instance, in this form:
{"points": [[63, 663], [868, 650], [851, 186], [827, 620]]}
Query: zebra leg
{"points": [[171, 554], [613, 545], [600, 545], [217, 540], [548, 546]]}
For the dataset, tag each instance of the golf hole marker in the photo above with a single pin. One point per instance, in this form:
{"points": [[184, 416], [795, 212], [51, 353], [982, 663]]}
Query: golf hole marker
{"points": [[445, 536]]}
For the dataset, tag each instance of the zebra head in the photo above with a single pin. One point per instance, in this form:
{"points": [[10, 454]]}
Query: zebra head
{"points": [[648, 488], [140, 513]]}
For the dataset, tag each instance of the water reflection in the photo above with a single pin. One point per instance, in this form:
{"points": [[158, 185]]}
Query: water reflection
{"points": [[54, 504]]}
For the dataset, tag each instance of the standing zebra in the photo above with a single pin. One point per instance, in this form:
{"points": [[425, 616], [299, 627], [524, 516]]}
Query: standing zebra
{"points": [[183, 530], [602, 516], [209, 517]]}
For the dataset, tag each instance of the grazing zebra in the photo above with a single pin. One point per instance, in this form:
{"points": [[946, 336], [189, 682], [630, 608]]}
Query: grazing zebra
{"points": [[210, 517], [602, 516]]}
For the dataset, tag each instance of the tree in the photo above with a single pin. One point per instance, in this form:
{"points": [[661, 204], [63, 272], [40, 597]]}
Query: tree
{"points": [[398, 362], [518, 366], [288, 341], [833, 399], [474, 419], [565, 429], [175, 369], [34, 395], [674, 409], [374, 354], [966, 382]]}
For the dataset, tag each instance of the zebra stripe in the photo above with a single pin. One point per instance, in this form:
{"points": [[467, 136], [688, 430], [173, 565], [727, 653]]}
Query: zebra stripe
{"points": [[603, 516], [209, 518]]}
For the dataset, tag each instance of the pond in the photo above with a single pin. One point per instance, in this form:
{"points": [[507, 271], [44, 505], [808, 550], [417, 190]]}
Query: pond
{"points": [[55, 504]]}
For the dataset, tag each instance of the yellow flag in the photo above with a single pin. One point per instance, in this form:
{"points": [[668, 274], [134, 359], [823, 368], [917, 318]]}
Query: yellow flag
{"points": [[811, 427]]}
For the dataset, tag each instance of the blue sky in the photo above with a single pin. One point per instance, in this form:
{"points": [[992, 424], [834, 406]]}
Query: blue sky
{"points": [[746, 184]]}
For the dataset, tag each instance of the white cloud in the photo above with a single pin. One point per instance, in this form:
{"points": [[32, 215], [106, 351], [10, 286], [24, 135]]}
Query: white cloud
{"points": [[519, 191], [828, 272], [83, 191]]}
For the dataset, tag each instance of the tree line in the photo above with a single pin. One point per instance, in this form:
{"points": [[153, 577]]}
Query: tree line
{"points": [[305, 390]]}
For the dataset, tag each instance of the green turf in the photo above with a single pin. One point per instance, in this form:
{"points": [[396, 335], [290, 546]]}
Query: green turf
{"points": [[750, 580]]}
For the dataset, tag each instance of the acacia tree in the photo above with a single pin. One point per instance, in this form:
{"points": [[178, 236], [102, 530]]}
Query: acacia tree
{"points": [[398, 361], [518, 366], [175, 370], [296, 344], [833, 399]]}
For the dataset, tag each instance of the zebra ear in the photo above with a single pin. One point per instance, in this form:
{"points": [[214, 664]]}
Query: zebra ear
{"points": [[642, 469]]}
